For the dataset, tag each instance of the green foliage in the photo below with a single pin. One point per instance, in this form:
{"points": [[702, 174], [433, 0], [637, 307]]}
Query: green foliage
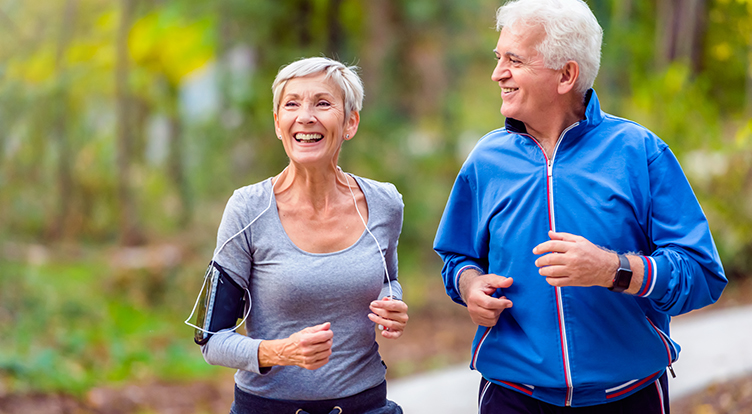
{"points": [[675, 106], [426, 64], [72, 326]]}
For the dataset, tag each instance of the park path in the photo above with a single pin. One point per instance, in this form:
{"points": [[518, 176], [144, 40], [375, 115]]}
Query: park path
{"points": [[715, 348]]}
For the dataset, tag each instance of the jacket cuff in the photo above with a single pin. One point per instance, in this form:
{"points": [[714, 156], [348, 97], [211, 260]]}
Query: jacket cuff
{"points": [[655, 279], [456, 278]]}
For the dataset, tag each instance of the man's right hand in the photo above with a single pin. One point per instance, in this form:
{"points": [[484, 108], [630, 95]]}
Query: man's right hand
{"points": [[476, 290]]}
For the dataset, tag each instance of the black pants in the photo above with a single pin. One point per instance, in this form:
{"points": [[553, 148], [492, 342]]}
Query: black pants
{"points": [[370, 401], [496, 399]]}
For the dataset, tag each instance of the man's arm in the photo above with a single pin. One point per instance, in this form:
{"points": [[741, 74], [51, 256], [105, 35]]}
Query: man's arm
{"points": [[462, 238]]}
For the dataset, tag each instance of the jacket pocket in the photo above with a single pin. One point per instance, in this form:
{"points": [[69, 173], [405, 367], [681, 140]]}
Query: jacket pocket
{"points": [[672, 353]]}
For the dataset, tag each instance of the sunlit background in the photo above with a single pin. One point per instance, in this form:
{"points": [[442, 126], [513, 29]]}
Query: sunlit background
{"points": [[125, 125]]}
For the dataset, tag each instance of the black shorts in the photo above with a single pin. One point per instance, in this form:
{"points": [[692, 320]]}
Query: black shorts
{"points": [[495, 399], [370, 401]]}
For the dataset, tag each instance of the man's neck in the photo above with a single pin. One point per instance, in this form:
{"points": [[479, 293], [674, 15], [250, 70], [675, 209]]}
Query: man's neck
{"points": [[552, 124]]}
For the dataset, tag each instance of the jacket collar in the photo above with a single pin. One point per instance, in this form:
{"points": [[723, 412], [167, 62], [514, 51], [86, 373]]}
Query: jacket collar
{"points": [[593, 116]]}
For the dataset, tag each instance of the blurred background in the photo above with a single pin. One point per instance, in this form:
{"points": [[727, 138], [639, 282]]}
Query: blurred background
{"points": [[125, 125]]}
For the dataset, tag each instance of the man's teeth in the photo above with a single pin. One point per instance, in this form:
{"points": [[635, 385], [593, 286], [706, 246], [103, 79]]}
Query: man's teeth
{"points": [[308, 137]]}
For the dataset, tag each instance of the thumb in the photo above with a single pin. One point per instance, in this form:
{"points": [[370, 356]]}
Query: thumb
{"points": [[501, 282]]}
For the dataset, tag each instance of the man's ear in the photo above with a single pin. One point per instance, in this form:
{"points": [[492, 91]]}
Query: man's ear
{"points": [[568, 76]]}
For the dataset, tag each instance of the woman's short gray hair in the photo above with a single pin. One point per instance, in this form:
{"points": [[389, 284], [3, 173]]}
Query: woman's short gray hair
{"points": [[344, 76], [572, 33]]}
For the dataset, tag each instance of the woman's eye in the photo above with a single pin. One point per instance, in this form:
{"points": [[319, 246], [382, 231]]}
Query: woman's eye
{"points": [[290, 104], [324, 103]]}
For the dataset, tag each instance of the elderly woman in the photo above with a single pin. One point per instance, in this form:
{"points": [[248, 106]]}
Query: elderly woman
{"points": [[309, 257]]}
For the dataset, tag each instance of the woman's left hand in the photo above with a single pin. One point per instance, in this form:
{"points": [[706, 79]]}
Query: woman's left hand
{"points": [[391, 314]]}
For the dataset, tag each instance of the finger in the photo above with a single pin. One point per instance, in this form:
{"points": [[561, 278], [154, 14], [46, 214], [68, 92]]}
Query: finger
{"points": [[551, 259], [559, 281], [321, 337], [552, 246], [380, 317], [312, 330], [320, 327], [392, 322], [389, 304], [568, 237], [385, 323], [316, 361], [493, 304], [313, 344], [392, 333], [390, 310], [553, 271]]}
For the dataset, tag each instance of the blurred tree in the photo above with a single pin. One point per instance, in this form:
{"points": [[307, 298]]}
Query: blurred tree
{"points": [[680, 31], [129, 231], [88, 88], [61, 116], [169, 46]]}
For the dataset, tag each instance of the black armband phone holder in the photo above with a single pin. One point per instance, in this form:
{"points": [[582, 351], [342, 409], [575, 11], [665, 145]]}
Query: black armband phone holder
{"points": [[221, 304]]}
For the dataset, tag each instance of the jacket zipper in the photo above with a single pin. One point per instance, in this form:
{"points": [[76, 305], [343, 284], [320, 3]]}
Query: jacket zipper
{"points": [[559, 298]]}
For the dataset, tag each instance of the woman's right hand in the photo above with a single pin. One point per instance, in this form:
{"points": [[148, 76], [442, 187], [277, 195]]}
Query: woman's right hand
{"points": [[309, 348]]}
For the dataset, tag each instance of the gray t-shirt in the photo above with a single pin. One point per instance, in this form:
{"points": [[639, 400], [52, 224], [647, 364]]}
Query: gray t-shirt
{"points": [[292, 289]]}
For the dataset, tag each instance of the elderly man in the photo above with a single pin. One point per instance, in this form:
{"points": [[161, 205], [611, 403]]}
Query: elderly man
{"points": [[571, 235]]}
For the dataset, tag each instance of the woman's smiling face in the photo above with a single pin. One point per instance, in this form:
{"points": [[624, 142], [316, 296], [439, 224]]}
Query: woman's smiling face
{"points": [[310, 120]]}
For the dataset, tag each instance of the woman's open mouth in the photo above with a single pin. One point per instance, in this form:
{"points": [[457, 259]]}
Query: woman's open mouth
{"points": [[308, 138]]}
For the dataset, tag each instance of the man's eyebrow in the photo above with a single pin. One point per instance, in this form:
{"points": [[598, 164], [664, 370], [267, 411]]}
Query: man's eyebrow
{"points": [[512, 54]]}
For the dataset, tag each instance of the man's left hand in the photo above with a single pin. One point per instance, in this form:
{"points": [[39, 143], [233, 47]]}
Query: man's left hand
{"points": [[571, 260]]}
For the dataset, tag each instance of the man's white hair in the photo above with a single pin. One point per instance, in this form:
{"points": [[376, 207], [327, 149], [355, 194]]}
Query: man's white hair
{"points": [[572, 33], [344, 76]]}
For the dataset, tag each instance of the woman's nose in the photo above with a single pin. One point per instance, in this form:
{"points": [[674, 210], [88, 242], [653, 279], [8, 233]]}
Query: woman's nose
{"points": [[306, 115]]}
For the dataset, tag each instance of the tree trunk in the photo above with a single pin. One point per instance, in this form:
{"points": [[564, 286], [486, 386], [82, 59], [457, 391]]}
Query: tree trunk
{"points": [[64, 177], [378, 47], [334, 38], [748, 100], [680, 30], [176, 163], [129, 232]]}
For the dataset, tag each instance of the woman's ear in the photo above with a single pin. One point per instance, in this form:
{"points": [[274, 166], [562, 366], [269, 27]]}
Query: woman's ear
{"points": [[568, 77], [276, 127], [351, 127]]}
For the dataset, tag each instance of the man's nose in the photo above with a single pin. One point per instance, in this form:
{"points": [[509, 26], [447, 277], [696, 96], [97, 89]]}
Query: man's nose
{"points": [[500, 72]]}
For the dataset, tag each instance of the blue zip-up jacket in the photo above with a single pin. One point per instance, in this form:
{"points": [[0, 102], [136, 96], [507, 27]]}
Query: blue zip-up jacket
{"points": [[618, 185]]}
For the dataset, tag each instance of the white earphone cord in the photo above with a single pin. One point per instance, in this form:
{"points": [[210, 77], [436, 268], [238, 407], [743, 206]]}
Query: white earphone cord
{"points": [[381, 252], [214, 257], [271, 198]]}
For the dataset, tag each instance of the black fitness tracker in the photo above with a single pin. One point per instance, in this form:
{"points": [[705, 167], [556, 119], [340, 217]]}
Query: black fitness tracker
{"points": [[623, 275]]}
